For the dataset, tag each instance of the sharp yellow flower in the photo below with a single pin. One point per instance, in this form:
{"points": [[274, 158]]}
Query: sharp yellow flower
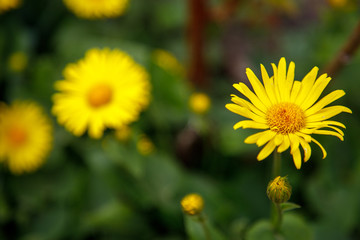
{"points": [[287, 111], [6, 5], [104, 89], [95, 9], [25, 136]]}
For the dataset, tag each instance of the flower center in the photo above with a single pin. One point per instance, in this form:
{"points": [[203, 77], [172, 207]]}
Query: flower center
{"points": [[99, 95], [17, 136], [285, 118]]}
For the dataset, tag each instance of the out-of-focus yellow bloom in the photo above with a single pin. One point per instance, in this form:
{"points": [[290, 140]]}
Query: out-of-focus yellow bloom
{"points": [[279, 190], [95, 9], [6, 5], [287, 111], [123, 133], [106, 89], [145, 146], [18, 61], [192, 204], [199, 103], [25, 136], [167, 61], [338, 3]]}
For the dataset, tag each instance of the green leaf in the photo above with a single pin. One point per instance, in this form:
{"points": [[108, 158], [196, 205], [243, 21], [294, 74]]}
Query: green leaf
{"points": [[287, 206]]}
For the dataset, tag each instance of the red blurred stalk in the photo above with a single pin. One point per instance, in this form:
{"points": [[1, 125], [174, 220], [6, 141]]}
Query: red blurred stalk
{"points": [[198, 19], [345, 54]]}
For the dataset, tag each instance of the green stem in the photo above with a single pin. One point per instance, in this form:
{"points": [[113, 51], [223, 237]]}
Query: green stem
{"points": [[204, 226], [276, 209], [276, 165], [278, 218]]}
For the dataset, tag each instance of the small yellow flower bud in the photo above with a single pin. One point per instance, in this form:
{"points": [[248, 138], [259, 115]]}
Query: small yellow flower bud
{"points": [[279, 190], [192, 204]]}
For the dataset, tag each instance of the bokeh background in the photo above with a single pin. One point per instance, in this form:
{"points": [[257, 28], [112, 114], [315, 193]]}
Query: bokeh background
{"points": [[124, 189]]}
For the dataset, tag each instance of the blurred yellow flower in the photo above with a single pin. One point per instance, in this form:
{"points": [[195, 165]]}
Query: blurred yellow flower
{"points": [[18, 61], [192, 204], [338, 3], [95, 9], [287, 111], [6, 5], [167, 61], [104, 89], [123, 133], [25, 136], [199, 103], [145, 146]]}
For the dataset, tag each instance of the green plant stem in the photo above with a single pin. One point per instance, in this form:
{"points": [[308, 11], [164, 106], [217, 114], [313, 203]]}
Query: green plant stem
{"points": [[276, 165], [278, 218], [276, 211], [205, 226]]}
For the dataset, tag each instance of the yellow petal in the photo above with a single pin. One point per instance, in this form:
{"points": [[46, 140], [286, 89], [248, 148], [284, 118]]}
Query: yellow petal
{"points": [[267, 136], [327, 132], [297, 158], [326, 123], [253, 138], [304, 136], [295, 91], [258, 88], [321, 147], [327, 113], [245, 112], [266, 151], [307, 149], [281, 78], [246, 104], [290, 77], [324, 102], [279, 138], [316, 91], [284, 145], [294, 142], [269, 85], [241, 87], [306, 84], [276, 82], [250, 124]]}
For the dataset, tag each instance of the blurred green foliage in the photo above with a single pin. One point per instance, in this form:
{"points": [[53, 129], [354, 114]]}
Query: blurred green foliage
{"points": [[105, 189]]}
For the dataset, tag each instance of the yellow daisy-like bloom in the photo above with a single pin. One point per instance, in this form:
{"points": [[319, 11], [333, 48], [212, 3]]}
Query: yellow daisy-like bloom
{"points": [[199, 103], [96, 9], [167, 61], [6, 5], [104, 89], [18, 61], [287, 111], [25, 136], [145, 146], [192, 204]]}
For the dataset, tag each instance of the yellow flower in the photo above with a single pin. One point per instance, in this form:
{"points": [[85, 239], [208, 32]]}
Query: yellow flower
{"points": [[18, 61], [123, 134], [6, 5], [199, 103], [95, 9], [145, 146], [104, 89], [25, 136], [192, 204], [287, 111], [167, 61], [279, 190]]}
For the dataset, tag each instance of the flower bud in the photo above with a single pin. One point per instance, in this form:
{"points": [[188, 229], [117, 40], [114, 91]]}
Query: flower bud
{"points": [[279, 190], [192, 204]]}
